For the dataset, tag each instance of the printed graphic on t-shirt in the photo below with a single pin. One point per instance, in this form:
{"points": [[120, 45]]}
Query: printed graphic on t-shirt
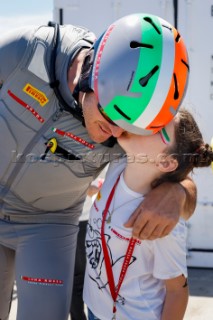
{"points": [[95, 256]]}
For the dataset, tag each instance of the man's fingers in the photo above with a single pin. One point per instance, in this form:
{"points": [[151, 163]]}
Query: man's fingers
{"points": [[145, 232], [140, 222], [142, 228], [148, 225], [159, 232], [152, 232], [131, 221], [168, 229]]}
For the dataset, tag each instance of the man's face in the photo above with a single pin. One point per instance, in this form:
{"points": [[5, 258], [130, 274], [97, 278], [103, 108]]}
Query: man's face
{"points": [[99, 129], [152, 146]]}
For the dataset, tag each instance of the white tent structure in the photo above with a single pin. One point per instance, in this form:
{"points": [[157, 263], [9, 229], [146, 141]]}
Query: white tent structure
{"points": [[194, 20]]}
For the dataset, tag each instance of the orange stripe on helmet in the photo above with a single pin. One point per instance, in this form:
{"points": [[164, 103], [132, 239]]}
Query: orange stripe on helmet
{"points": [[178, 82]]}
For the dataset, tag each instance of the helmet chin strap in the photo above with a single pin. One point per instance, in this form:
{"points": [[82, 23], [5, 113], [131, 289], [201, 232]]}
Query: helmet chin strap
{"points": [[74, 109], [84, 80]]}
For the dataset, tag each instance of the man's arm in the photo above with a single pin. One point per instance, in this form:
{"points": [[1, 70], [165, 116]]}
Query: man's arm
{"points": [[161, 209], [176, 300], [191, 198]]}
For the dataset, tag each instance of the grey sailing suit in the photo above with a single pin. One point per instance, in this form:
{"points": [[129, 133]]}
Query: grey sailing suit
{"points": [[41, 194]]}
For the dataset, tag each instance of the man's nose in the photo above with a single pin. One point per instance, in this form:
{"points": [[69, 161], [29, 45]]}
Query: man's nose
{"points": [[116, 131]]}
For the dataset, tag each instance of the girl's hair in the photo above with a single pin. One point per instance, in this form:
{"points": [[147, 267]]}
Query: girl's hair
{"points": [[189, 149]]}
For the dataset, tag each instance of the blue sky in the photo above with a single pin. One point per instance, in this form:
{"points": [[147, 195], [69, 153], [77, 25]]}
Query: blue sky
{"points": [[17, 13]]}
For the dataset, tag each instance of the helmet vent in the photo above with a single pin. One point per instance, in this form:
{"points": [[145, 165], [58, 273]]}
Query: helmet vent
{"points": [[186, 64], [149, 20], [121, 112], [144, 81], [178, 37], [176, 94], [167, 27], [136, 44]]}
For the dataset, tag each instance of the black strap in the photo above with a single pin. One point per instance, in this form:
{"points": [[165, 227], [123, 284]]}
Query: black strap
{"points": [[74, 109], [62, 153], [84, 79], [175, 5]]}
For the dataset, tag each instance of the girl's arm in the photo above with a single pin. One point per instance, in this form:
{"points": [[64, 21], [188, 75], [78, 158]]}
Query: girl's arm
{"points": [[176, 298]]}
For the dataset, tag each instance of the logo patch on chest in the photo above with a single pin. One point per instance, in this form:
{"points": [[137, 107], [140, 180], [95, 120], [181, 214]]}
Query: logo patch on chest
{"points": [[36, 94]]}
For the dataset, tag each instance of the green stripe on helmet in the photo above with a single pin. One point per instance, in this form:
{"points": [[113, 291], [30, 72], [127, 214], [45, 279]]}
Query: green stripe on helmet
{"points": [[143, 84]]}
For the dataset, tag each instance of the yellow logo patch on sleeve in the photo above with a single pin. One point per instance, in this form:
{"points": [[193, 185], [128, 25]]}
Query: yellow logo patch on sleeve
{"points": [[36, 94]]}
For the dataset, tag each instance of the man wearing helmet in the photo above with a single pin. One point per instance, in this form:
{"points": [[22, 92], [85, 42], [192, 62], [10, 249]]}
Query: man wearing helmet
{"points": [[62, 106]]}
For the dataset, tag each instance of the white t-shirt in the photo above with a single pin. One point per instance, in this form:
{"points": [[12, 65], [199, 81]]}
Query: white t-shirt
{"points": [[143, 290], [89, 200]]}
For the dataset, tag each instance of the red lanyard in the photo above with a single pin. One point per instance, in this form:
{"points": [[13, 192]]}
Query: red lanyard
{"points": [[114, 290]]}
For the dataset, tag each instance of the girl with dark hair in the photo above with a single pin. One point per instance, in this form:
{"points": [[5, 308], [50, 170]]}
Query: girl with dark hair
{"points": [[189, 149], [127, 278]]}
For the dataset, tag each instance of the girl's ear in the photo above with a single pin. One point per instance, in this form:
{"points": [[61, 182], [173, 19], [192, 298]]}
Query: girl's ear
{"points": [[167, 164]]}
